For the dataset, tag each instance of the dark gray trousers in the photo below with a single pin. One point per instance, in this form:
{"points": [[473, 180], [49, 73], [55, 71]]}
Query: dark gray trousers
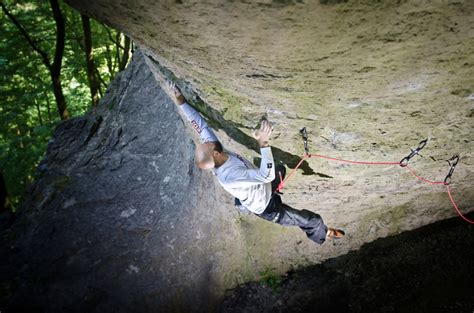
{"points": [[278, 212]]}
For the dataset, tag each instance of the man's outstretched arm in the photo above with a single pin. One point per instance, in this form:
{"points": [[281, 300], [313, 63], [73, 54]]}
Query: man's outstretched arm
{"points": [[200, 125]]}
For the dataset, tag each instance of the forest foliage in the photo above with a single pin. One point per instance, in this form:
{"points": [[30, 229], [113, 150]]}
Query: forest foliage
{"points": [[55, 64]]}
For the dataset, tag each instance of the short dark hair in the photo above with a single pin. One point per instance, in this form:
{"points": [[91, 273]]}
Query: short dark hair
{"points": [[218, 146]]}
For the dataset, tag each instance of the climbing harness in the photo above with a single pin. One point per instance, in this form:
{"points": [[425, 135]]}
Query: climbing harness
{"points": [[453, 161]]}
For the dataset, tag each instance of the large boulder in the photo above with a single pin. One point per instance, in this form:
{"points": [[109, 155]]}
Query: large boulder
{"points": [[119, 219], [368, 80]]}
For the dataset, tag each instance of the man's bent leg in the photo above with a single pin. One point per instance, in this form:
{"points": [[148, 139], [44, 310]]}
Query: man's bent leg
{"points": [[272, 212], [311, 223]]}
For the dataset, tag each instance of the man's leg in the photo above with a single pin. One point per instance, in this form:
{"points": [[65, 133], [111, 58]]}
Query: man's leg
{"points": [[240, 207], [311, 223]]}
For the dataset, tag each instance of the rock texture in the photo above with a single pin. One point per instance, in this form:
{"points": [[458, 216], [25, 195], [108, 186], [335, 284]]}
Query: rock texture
{"points": [[116, 221], [120, 220], [369, 80], [424, 270]]}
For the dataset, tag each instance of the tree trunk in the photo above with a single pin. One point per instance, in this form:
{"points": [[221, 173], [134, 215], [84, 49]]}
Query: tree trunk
{"points": [[4, 201], [118, 37], [19, 134], [93, 82], [109, 61], [126, 53], [39, 111], [101, 82], [55, 68], [59, 96], [48, 106], [58, 57]]}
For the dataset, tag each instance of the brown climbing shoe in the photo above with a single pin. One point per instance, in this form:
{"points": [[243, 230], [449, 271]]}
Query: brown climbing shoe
{"points": [[335, 233]]}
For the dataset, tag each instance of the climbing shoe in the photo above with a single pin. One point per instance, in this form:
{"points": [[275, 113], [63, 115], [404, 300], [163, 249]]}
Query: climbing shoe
{"points": [[335, 233]]}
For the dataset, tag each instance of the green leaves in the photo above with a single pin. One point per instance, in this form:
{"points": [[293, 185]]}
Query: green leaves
{"points": [[271, 279], [28, 112]]}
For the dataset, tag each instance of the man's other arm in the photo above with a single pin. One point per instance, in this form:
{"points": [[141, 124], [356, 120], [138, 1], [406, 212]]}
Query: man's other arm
{"points": [[266, 172], [247, 177], [199, 124]]}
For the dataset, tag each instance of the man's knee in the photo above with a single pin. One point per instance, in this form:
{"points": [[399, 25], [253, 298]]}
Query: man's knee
{"points": [[312, 219], [272, 216]]}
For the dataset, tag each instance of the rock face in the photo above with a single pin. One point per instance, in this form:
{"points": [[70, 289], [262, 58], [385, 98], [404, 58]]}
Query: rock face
{"points": [[424, 270], [368, 80], [119, 218]]}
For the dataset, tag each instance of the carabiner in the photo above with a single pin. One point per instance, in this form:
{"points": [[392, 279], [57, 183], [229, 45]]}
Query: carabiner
{"points": [[304, 133], [421, 145], [454, 159]]}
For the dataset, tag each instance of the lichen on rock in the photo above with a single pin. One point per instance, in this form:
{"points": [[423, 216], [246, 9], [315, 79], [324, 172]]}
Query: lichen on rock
{"points": [[118, 201]]}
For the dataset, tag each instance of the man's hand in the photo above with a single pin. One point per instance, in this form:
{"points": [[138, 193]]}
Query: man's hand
{"points": [[175, 93], [263, 134]]}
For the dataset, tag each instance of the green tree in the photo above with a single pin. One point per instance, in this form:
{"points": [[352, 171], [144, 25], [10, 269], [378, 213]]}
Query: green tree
{"points": [[54, 67], [28, 114], [4, 200], [91, 70]]}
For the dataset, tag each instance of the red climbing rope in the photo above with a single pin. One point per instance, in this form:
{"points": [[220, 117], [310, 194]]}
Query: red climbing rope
{"points": [[456, 207], [283, 181], [308, 155], [423, 179], [353, 162]]}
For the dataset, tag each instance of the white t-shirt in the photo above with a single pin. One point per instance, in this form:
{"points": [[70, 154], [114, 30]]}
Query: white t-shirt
{"points": [[238, 176]]}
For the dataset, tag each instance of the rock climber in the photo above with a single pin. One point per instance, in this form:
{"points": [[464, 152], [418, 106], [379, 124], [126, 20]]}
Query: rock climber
{"points": [[252, 187]]}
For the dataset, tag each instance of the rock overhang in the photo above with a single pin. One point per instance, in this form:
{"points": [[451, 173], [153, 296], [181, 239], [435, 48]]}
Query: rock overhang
{"points": [[368, 81]]}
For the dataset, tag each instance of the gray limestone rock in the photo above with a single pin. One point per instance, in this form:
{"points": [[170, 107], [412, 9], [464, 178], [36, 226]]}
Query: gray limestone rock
{"points": [[119, 218]]}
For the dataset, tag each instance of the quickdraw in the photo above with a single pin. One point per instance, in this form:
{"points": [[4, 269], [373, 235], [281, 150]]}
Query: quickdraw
{"points": [[403, 163]]}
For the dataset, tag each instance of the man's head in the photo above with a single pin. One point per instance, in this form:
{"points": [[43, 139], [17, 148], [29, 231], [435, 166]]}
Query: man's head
{"points": [[209, 155]]}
